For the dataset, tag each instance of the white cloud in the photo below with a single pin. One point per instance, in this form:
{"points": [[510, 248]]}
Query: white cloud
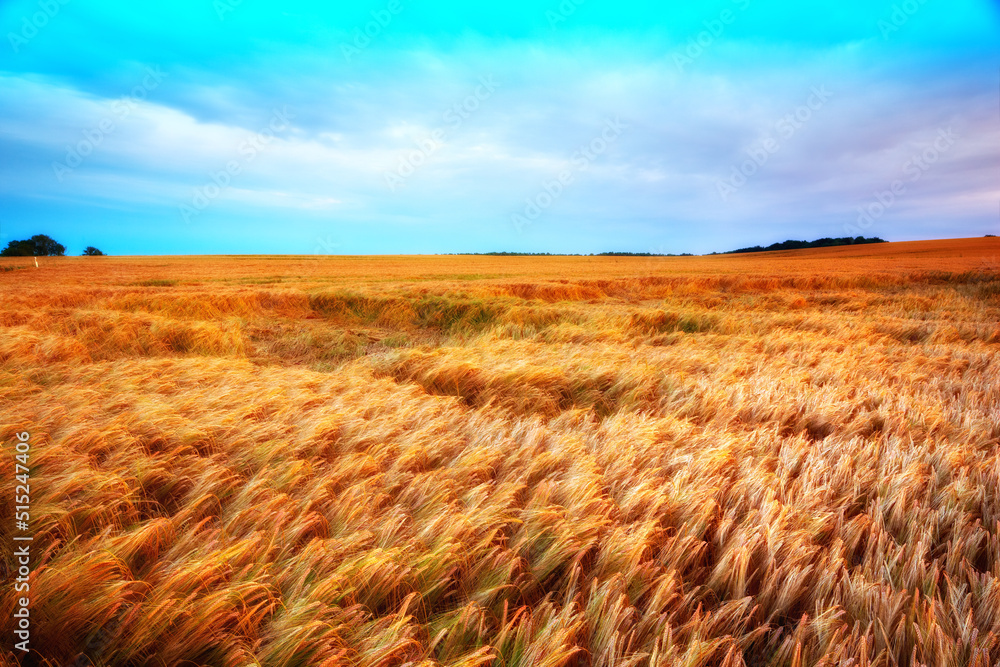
{"points": [[685, 133]]}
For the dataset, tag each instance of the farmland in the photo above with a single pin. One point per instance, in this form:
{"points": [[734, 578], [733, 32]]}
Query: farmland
{"points": [[782, 459]]}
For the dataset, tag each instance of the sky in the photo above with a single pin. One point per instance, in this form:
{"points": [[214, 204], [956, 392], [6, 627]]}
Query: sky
{"points": [[415, 126]]}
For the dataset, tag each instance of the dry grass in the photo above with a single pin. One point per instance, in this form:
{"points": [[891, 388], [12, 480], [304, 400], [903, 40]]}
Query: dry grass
{"points": [[788, 459]]}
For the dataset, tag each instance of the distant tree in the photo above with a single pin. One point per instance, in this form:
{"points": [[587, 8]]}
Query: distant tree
{"points": [[18, 249], [38, 245], [92, 251], [46, 246], [819, 243]]}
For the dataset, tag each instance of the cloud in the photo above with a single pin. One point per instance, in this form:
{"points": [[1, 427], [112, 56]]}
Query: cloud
{"points": [[687, 129]]}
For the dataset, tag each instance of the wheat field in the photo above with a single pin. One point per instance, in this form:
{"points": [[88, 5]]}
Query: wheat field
{"points": [[781, 459]]}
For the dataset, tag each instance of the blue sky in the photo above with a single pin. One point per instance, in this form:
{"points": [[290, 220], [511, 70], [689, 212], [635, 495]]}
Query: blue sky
{"points": [[411, 126]]}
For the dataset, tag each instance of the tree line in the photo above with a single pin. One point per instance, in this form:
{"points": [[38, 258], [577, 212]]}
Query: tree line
{"points": [[825, 242], [41, 245]]}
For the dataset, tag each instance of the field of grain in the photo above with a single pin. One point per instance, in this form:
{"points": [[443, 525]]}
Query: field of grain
{"points": [[781, 459]]}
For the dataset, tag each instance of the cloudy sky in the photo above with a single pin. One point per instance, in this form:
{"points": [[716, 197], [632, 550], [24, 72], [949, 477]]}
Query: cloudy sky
{"points": [[416, 126]]}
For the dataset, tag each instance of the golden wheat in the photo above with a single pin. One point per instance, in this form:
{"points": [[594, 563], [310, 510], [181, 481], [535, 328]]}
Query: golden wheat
{"points": [[787, 459]]}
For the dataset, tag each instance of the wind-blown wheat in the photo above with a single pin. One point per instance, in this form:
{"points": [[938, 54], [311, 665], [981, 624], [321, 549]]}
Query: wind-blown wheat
{"points": [[786, 461]]}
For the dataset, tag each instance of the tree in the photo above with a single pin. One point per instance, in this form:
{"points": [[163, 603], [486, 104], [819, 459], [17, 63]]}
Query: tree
{"points": [[18, 249], [38, 245], [46, 246], [92, 251]]}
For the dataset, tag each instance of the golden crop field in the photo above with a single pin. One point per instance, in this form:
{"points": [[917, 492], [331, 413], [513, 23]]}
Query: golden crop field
{"points": [[781, 459]]}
